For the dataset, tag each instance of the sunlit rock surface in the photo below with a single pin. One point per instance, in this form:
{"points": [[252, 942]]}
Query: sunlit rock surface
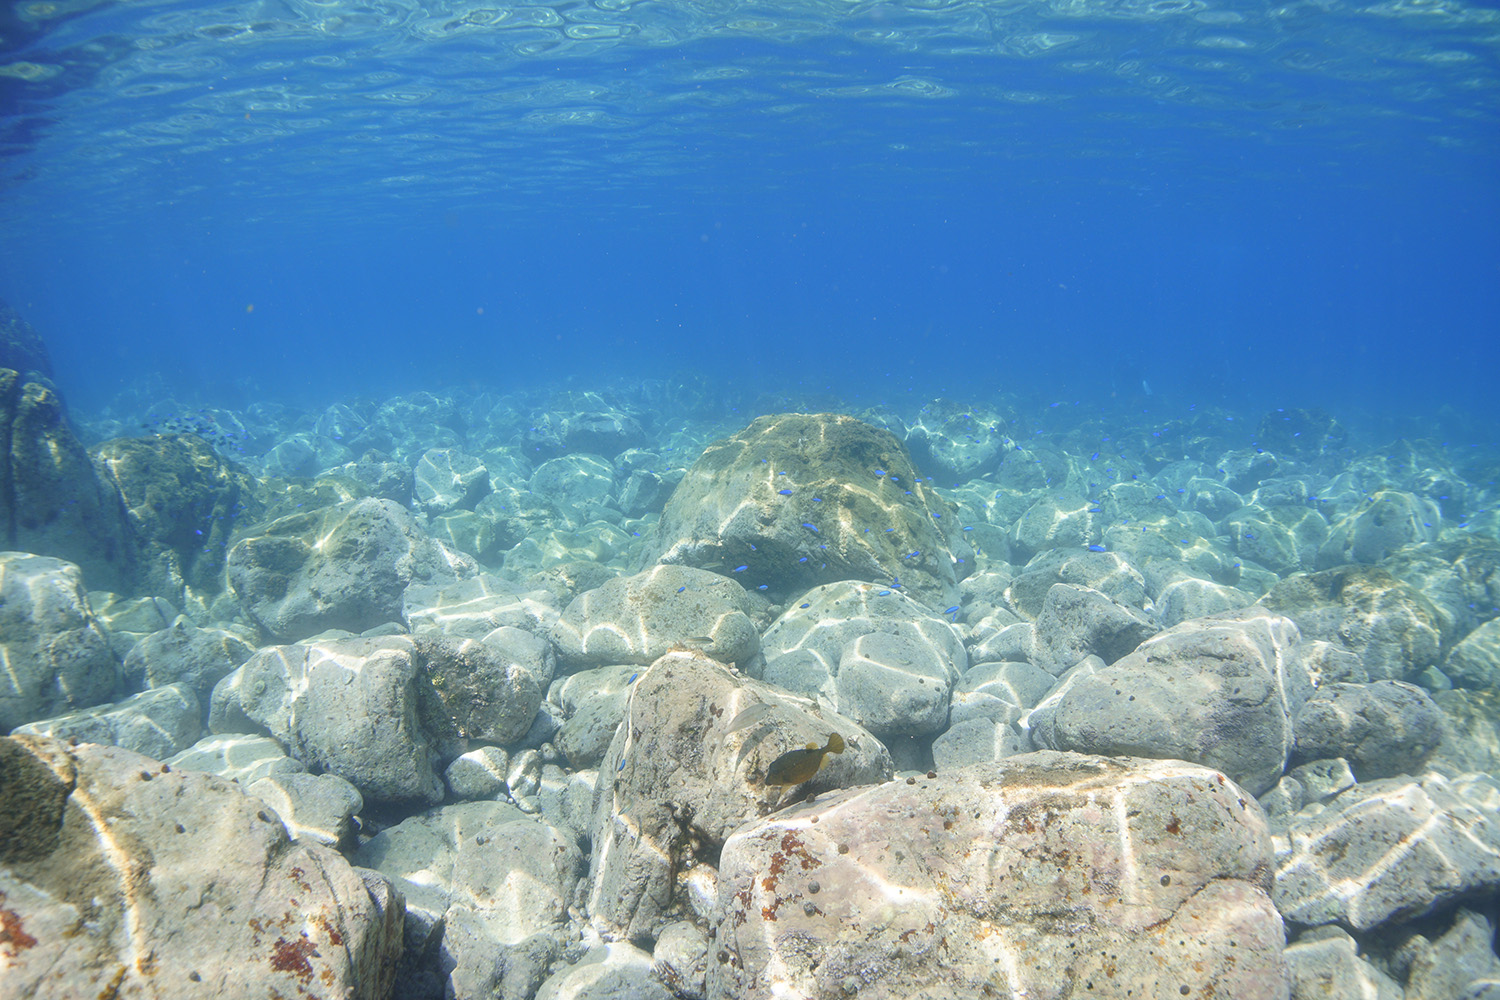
{"points": [[1050, 875]]}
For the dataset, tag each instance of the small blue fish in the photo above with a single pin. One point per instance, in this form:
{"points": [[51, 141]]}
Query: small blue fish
{"points": [[804, 605], [968, 527], [763, 586], [803, 559], [879, 472], [1096, 548], [951, 610], [883, 593], [633, 677], [810, 527], [817, 499], [682, 588], [741, 569], [785, 493]]}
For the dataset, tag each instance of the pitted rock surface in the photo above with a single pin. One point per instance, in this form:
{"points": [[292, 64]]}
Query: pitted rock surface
{"points": [[1047, 875], [1076, 622], [238, 757], [183, 502], [157, 723], [1392, 519], [1325, 963], [1107, 572], [122, 877], [1475, 661], [492, 882], [1383, 729], [848, 483], [482, 689], [182, 653]]}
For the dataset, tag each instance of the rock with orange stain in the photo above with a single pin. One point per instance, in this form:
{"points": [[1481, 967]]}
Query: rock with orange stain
{"points": [[1045, 875], [121, 876]]}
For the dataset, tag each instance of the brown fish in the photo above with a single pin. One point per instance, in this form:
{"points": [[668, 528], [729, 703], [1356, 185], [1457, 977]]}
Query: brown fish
{"points": [[797, 766]]}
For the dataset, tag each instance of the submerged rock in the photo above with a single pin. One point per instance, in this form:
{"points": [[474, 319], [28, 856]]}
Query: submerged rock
{"points": [[869, 653], [1383, 729], [1393, 519], [124, 877], [157, 723], [1219, 691], [185, 505], [21, 347], [1394, 629], [799, 499], [346, 567], [1100, 877], [51, 501], [348, 707], [676, 781], [56, 656], [487, 890], [637, 619], [1387, 850]]}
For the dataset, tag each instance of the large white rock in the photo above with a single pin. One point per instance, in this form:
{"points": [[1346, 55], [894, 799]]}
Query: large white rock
{"points": [[1046, 875], [122, 877]]}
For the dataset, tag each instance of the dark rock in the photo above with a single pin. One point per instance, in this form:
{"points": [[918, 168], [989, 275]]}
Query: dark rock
{"points": [[51, 501], [184, 504], [486, 690], [21, 347]]}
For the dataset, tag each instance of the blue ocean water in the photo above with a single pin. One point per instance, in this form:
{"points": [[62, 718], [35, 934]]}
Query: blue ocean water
{"points": [[1215, 200]]}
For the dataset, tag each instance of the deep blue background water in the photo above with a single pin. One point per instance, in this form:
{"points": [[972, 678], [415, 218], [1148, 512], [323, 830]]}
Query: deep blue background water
{"points": [[1233, 204]]}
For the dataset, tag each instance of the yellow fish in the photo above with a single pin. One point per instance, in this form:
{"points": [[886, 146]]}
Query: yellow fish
{"points": [[797, 766]]}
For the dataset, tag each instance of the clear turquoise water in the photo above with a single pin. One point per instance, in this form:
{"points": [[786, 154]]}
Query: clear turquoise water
{"points": [[1277, 205]]}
